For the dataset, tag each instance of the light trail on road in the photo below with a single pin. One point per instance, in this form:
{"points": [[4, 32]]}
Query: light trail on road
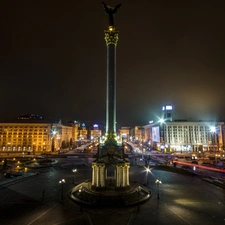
{"points": [[202, 167]]}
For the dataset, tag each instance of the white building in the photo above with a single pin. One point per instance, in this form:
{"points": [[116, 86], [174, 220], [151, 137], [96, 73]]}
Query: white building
{"points": [[183, 136]]}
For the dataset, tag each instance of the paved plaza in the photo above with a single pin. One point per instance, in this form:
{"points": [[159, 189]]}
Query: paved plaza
{"points": [[180, 199]]}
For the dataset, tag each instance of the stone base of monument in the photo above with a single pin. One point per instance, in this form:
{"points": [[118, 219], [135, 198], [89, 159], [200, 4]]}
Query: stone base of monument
{"points": [[84, 194]]}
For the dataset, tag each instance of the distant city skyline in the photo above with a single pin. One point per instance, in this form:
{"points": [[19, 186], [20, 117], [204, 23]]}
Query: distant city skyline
{"points": [[53, 60]]}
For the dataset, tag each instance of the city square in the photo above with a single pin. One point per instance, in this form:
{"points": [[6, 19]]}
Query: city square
{"points": [[82, 139], [178, 199]]}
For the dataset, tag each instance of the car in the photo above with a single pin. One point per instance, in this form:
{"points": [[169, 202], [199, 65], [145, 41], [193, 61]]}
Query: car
{"points": [[17, 174], [186, 167], [8, 175], [206, 164]]}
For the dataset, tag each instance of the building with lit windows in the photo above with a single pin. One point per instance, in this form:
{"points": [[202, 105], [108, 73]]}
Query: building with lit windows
{"points": [[95, 132], [167, 112], [124, 133], [137, 133], [35, 136], [83, 132], [184, 136]]}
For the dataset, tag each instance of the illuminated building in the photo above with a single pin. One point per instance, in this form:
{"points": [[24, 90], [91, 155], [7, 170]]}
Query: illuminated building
{"points": [[35, 136], [137, 133], [167, 112], [184, 136], [95, 132], [83, 132], [124, 132]]}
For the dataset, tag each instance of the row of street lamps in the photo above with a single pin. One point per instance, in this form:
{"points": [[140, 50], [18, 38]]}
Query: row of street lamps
{"points": [[63, 181], [138, 189], [157, 182]]}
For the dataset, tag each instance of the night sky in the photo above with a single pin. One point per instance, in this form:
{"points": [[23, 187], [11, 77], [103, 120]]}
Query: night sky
{"points": [[53, 59]]}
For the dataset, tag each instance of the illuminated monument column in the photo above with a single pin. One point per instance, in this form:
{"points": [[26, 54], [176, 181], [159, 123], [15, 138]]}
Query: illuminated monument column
{"points": [[110, 166], [110, 169], [111, 38]]}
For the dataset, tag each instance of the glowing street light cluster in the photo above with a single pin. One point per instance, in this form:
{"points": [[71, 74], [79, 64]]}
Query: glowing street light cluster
{"points": [[157, 183], [161, 120], [74, 171], [212, 129], [63, 181]]}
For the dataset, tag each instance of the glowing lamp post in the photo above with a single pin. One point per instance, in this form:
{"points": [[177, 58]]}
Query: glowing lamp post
{"points": [[161, 120], [62, 182], [138, 190], [54, 132], [147, 172], [81, 190], [213, 131], [162, 138], [74, 171], [158, 182], [18, 165]]}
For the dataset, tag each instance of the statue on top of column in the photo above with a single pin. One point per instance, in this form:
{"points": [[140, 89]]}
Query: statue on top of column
{"points": [[110, 11]]}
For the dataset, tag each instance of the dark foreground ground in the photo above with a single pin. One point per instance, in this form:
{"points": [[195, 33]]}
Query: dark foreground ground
{"points": [[183, 199]]}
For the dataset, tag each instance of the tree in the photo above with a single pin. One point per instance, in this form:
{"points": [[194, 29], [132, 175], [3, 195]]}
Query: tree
{"points": [[71, 142], [64, 144], [53, 144]]}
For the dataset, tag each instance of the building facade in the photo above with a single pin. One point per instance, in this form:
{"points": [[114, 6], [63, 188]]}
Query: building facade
{"points": [[124, 133], [137, 133], [183, 136], [35, 136], [95, 132]]}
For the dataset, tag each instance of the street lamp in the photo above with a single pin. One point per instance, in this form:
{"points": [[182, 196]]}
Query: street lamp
{"points": [[162, 134], [216, 157], [138, 190], [142, 138], [18, 165], [53, 133], [74, 171], [157, 183], [147, 171], [62, 182], [81, 190], [213, 130], [161, 120]]}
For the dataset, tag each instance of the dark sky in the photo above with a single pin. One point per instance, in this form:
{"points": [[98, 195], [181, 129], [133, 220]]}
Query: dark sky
{"points": [[53, 59]]}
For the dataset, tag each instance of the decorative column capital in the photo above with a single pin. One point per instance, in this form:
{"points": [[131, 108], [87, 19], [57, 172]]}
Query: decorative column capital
{"points": [[111, 36]]}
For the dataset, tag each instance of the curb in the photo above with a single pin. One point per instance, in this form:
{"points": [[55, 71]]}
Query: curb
{"points": [[15, 179]]}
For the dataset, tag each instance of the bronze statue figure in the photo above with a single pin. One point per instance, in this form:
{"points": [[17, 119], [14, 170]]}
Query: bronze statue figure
{"points": [[110, 11]]}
